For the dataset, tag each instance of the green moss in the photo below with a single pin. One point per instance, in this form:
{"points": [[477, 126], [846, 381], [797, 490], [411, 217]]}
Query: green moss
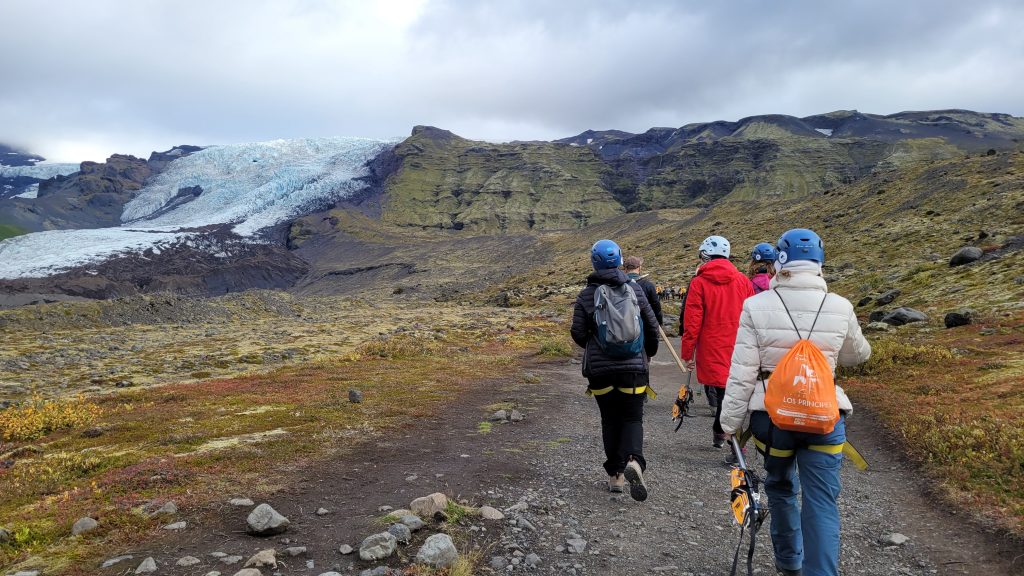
{"points": [[10, 231]]}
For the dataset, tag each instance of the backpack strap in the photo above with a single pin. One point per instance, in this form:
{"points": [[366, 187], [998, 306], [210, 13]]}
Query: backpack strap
{"points": [[813, 324]]}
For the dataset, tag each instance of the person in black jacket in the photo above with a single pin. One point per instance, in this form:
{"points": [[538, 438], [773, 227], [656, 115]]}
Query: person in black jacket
{"points": [[620, 385], [631, 266]]}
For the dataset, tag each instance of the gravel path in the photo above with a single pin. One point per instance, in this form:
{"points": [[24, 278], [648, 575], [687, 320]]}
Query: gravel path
{"points": [[685, 526]]}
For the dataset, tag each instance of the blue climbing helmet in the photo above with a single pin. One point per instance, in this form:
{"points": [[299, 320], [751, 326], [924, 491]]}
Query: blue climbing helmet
{"points": [[605, 254], [800, 244], [764, 252]]}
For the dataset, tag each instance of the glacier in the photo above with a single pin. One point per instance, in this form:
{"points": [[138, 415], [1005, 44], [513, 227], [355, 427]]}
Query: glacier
{"points": [[39, 171], [254, 186], [249, 186]]}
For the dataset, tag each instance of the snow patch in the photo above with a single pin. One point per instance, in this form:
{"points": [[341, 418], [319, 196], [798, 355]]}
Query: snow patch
{"points": [[825, 131], [32, 192]]}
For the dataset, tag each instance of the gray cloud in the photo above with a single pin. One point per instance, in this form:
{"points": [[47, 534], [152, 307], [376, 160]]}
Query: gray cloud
{"points": [[85, 79]]}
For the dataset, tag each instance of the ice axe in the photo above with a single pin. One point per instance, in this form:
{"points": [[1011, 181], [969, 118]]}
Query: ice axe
{"points": [[681, 406]]}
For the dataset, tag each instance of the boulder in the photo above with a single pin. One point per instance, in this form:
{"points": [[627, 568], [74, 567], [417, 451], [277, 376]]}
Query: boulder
{"points": [[966, 255], [187, 561], [83, 525], [876, 315], [428, 506], [265, 521], [894, 539], [378, 547], [904, 315], [241, 502], [248, 572], [489, 513], [961, 317], [865, 301], [499, 416], [887, 297], [169, 508], [438, 552], [263, 558], [5, 536], [345, 550], [355, 396], [401, 532]]}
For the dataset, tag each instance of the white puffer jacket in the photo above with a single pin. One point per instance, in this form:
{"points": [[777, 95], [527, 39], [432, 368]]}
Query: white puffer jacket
{"points": [[766, 334]]}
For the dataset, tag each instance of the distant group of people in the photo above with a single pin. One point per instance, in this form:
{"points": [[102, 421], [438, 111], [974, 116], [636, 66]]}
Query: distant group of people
{"points": [[736, 328], [670, 292]]}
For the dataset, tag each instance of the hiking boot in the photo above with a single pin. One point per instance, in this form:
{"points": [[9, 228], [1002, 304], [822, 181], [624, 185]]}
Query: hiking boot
{"points": [[635, 476], [787, 572], [616, 483], [719, 440]]}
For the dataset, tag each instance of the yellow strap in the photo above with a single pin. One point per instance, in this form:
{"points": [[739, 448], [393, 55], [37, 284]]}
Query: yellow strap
{"points": [[638, 390], [850, 452], [845, 449]]}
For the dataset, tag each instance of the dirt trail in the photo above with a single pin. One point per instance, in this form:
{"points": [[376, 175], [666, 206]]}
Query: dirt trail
{"points": [[547, 470]]}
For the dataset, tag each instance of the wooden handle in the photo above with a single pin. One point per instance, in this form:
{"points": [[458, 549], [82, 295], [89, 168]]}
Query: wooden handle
{"points": [[675, 355]]}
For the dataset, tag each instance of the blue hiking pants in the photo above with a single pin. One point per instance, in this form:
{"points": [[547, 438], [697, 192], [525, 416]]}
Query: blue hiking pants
{"points": [[805, 533]]}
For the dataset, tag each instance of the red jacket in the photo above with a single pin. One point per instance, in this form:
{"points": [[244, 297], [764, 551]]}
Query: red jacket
{"points": [[712, 318]]}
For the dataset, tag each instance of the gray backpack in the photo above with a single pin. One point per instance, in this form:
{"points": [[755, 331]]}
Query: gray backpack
{"points": [[617, 315]]}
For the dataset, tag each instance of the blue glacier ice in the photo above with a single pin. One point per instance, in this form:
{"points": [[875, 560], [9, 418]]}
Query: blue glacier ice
{"points": [[249, 186], [38, 171], [257, 185]]}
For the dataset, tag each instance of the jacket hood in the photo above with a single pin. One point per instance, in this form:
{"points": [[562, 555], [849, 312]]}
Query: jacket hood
{"points": [[610, 276], [720, 271], [799, 281]]}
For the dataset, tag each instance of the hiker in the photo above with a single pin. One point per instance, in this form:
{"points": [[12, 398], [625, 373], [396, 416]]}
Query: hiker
{"points": [[631, 266], [618, 379], [710, 317], [762, 266], [805, 535]]}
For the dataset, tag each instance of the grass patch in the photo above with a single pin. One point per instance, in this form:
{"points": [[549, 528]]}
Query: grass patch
{"points": [[40, 416], [961, 415], [484, 427], [456, 512], [10, 231], [555, 348]]}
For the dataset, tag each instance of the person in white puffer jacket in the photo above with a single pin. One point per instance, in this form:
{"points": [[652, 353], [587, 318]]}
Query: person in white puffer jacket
{"points": [[805, 537]]}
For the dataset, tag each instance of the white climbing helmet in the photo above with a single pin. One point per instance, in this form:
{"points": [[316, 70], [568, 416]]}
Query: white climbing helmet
{"points": [[714, 246]]}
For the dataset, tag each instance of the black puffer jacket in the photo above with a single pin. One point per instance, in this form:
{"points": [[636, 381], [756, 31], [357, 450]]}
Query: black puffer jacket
{"points": [[584, 330]]}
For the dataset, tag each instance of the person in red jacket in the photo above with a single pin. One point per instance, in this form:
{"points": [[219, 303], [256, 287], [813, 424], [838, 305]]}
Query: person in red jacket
{"points": [[711, 319]]}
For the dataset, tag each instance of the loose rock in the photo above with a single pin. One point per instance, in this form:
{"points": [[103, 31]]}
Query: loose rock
{"points": [[959, 318], [894, 539], [378, 546], [498, 563], [169, 508], [355, 396], [427, 506], [489, 513], [188, 561], [888, 296], [966, 255], [231, 560], [878, 327], [248, 572], [322, 511], [295, 550], [401, 532], [865, 301], [148, 566], [83, 525], [263, 558], [499, 416], [901, 316], [576, 545], [438, 552], [876, 315], [532, 559], [116, 560], [265, 521], [412, 521], [241, 502], [176, 526], [345, 549], [5, 536], [516, 416]]}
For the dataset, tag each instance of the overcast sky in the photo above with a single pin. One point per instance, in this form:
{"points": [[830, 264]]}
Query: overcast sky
{"points": [[81, 79]]}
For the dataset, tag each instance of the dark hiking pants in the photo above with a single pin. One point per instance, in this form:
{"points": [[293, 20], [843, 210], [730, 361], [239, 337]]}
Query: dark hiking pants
{"points": [[622, 421], [719, 396]]}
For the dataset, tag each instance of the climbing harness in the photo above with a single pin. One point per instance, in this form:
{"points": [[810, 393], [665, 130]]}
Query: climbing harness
{"points": [[747, 509]]}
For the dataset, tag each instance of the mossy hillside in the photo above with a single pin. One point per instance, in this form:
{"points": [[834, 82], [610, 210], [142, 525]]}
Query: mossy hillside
{"points": [[10, 231], [449, 182]]}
